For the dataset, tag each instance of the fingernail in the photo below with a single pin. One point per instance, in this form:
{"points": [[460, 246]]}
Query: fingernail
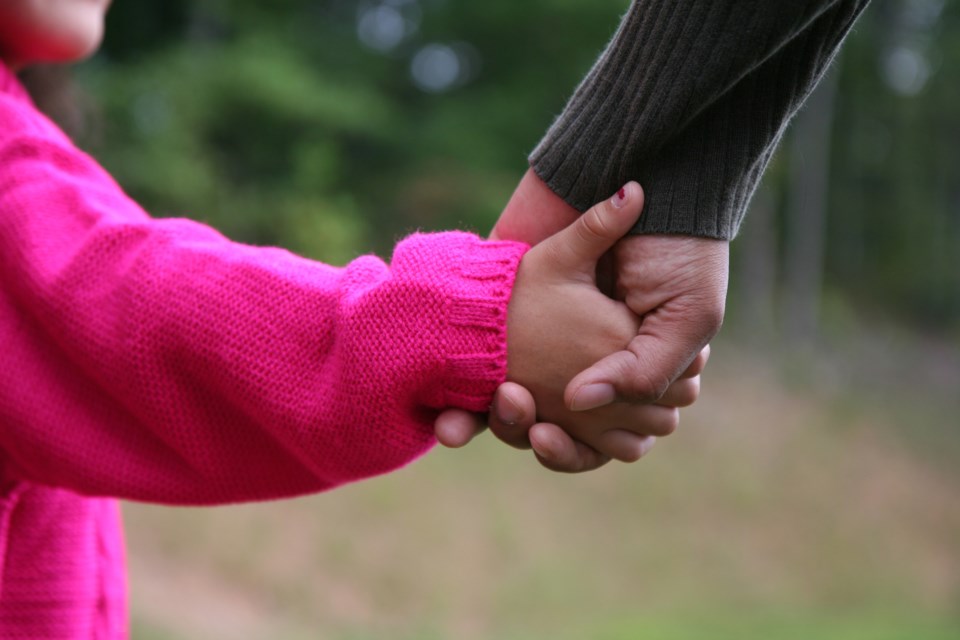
{"points": [[621, 198], [507, 411], [592, 396]]}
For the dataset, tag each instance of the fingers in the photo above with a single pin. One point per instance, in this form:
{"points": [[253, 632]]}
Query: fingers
{"points": [[640, 419], [698, 365], [512, 414], [581, 244], [455, 428], [677, 285], [637, 374], [625, 446], [654, 359], [557, 451], [685, 391], [512, 418], [682, 393]]}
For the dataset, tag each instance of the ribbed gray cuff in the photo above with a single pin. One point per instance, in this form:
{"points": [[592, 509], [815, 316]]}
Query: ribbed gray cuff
{"points": [[690, 99]]}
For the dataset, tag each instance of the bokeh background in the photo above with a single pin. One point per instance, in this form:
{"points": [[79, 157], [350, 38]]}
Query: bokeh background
{"points": [[814, 491]]}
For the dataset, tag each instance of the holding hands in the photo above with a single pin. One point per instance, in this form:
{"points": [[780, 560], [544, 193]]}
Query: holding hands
{"points": [[607, 375], [560, 323]]}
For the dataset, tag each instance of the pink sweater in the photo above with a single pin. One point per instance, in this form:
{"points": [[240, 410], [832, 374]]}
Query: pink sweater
{"points": [[156, 360]]}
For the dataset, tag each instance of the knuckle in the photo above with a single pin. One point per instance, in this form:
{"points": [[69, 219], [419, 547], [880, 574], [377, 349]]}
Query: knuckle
{"points": [[515, 437], [647, 386], [713, 319], [709, 312]]}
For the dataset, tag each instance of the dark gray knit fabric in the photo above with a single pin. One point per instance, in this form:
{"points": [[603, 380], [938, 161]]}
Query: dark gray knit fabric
{"points": [[690, 99]]}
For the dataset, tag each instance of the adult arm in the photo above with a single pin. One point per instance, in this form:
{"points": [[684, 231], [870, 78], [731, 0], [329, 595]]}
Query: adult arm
{"points": [[690, 99], [715, 87]]}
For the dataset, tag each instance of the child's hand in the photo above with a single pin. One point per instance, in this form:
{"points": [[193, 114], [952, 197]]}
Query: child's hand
{"points": [[559, 323]]}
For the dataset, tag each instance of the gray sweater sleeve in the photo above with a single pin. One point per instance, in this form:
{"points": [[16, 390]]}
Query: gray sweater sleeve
{"points": [[690, 99]]}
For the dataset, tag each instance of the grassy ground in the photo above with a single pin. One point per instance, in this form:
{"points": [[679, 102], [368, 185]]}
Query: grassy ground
{"points": [[779, 510]]}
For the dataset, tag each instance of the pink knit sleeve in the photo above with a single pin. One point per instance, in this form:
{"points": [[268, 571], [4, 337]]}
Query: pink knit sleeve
{"points": [[157, 360]]}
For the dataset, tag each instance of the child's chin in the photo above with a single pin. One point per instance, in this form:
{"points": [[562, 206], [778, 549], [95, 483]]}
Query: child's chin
{"points": [[79, 44], [73, 33]]}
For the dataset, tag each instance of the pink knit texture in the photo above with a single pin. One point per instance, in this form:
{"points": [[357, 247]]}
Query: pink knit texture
{"points": [[156, 360]]}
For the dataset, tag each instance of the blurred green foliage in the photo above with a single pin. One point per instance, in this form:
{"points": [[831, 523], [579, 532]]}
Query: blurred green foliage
{"points": [[302, 123], [277, 125], [894, 232]]}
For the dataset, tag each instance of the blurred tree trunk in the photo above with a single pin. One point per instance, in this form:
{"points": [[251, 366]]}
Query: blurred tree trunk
{"points": [[807, 182], [757, 269]]}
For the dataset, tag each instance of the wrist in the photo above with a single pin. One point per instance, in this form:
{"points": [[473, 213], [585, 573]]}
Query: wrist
{"points": [[477, 279], [533, 213]]}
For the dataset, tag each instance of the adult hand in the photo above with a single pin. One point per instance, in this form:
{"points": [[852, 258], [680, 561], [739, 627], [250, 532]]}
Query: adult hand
{"points": [[678, 285]]}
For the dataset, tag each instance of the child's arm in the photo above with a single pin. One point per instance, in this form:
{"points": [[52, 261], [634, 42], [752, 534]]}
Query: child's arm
{"points": [[156, 360]]}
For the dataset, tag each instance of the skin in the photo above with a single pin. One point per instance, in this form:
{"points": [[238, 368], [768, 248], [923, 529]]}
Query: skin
{"points": [[556, 286], [34, 31], [625, 431], [676, 284]]}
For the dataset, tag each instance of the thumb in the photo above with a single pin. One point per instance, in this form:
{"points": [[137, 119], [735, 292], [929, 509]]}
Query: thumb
{"points": [[581, 244], [642, 372]]}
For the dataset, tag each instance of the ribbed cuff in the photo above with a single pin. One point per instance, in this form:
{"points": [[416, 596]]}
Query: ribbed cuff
{"points": [[690, 99], [477, 277], [474, 372]]}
